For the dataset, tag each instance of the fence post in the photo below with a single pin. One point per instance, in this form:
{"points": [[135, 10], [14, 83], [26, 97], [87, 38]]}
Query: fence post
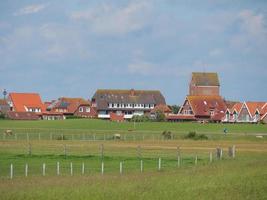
{"points": [[219, 153], [141, 166], [16, 137], [26, 170], [159, 167], [196, 159], [43, 169], [39, 136], [11, 171], [28, 137], [94, 137], [233, 151], [120, 167], [102, 167], [62, 136], [178, 161], [58, 168], [102, 152], [71, 169], [210, 157], [83, 168]]}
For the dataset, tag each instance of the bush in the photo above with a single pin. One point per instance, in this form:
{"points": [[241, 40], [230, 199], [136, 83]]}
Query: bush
{"points": [[61, 137], [142, 118], [167, 135], [195, 136], [160, 117], [2, 116], [73, 117]]}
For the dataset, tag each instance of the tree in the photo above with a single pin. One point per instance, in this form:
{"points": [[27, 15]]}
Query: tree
{"points": [[175, 109], [160, 116]]}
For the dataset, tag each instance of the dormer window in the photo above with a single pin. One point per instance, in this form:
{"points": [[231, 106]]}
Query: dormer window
{"points": [[81, 109]]}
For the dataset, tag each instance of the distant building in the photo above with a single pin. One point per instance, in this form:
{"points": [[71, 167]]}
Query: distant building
{"points": [[4, 106], [72, 106], [204, 83], [126, 103], [204, 102]]}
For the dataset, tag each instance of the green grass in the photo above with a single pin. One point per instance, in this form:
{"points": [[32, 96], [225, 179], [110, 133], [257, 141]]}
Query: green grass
{"points": [[104, 125]]}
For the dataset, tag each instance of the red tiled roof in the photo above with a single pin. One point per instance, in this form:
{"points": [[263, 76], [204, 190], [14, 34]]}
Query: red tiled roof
{"points": [[202, 105], [237, 107], [254, 106], [72, 104], [30, 100]]}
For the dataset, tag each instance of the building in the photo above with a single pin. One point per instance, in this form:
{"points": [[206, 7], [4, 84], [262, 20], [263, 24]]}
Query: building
{"points": [[161, 108], [232, 112], [203, 108], [25, 106], [126, 103], [204, 83], [72, 107]]}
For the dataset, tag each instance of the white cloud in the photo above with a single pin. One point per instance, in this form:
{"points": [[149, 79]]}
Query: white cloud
{"points": [[30, 9], [108, 19]]}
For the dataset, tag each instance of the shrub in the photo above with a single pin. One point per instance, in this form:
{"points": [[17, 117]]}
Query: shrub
{"points": [[167, 135], [195, 136], [73, 117], [61, 137], [2, 116]]}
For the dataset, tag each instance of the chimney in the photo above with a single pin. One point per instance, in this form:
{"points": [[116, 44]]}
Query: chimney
{"points": [[132, 92]]}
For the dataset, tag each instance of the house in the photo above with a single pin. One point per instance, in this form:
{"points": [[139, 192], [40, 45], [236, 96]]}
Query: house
{"points": [[162, 108], [26, 102], [204, 83], [202, 108], [251, 112], [126, 103], [25, 106], [4, 106], [264, 113], [232, 112], [72, 107]]}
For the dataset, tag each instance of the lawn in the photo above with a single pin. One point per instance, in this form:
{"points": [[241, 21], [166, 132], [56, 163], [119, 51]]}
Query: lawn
{"points": [[244, 177]]}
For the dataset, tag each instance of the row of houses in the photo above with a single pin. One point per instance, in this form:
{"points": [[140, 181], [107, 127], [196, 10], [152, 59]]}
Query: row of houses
{"points": [[203, 103]]}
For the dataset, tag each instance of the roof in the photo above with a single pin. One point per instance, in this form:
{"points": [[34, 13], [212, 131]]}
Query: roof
{"points": [[162, 108], [71, 104], [205, 79], [202, 105], [22, 115], [104, 96], [30, 100], [254, 106], [237, 107]]}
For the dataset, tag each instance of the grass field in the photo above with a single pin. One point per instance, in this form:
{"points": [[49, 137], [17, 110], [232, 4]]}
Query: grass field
{"points": [[244, 177]]}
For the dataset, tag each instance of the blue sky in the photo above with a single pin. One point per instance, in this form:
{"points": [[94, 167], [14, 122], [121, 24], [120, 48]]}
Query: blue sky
{"points": [[71, 48]]}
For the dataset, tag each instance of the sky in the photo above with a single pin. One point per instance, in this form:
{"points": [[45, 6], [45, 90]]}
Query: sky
{"points": [[72, 48]]}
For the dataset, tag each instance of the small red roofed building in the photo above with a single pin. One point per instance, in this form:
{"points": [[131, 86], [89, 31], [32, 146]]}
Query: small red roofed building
{"points": [[251, 112], [73, 107], [232, 112]]}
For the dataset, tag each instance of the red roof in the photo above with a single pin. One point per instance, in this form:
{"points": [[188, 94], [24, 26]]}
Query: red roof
{"points": [[254, 106], [29, 100], [237, 107], [202, 105]]}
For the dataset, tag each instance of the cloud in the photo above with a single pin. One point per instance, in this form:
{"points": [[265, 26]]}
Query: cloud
{"points": [[111, 20], [30, 9]]}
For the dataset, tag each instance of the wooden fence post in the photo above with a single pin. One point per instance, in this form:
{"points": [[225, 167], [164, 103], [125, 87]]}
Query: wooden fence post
{"points": [[219, 153], [196, 159], [141, 166], [16, 136], [11, 171], [120, 167], [102, 167], [233, 151], [71, 169], [159, 164], [210, 157], [43, 169], [65, 150], [58, 169], [26, 170], [178, 161], [39, 136], [83, 168]]}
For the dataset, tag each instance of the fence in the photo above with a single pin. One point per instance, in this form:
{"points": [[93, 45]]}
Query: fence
{"points": [[103, 159]]}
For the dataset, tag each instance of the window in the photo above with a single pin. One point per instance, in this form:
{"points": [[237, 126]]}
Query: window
{"points": [[88, 109], [212, 112], [81, 109]]}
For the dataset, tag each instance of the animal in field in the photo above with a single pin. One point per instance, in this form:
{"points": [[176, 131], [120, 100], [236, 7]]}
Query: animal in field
{"points": [[117, 136], [8, 132], [167, 135]]}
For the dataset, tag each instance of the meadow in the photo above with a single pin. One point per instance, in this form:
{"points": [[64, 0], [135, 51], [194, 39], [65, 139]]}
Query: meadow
{"points": [[88, 143]]}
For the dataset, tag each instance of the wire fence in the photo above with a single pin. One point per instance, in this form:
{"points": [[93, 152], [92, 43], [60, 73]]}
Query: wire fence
{"points": [[53, 159]]}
